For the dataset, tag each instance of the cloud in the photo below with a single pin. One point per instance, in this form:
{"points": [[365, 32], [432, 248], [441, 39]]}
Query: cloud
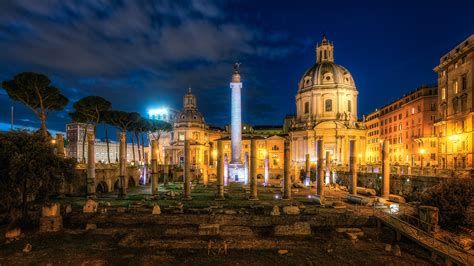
{"points": [[135, 52]]}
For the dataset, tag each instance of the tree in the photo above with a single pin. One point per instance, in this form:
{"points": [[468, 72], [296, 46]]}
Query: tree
{"points": [[157, 128], [36, 92], [30, 170], [89, 110], [122, 120]]}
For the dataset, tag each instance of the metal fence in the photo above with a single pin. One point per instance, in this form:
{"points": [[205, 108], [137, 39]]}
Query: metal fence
{"points": [[402, 220]]}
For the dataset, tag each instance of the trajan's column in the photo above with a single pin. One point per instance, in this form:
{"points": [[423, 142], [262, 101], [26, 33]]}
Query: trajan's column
{"points": [[236, 167], [236, 116]]}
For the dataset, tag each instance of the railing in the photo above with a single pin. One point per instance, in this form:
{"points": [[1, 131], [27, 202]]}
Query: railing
{"points": [[416, 229]]}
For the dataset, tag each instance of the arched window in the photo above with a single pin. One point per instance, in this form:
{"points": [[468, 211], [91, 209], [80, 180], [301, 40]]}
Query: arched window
{"points": [[349, 106], [306, 107], [328, 105]]}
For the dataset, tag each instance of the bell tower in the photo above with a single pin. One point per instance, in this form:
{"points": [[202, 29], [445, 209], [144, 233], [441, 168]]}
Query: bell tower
{"points": [[324, 51], [189, 100]]}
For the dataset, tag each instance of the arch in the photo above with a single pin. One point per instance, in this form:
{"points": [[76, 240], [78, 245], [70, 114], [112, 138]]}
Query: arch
{"points": [[259, 176], [102, 188], [131, 182], [116, 184]]}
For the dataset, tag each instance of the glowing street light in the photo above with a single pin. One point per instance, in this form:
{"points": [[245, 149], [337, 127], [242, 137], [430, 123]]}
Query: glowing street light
{"points": [[422, 152]]}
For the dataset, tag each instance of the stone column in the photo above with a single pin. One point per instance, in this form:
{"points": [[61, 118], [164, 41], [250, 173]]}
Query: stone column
{"points": [[122, 165], [154, 167], [220, 171], [236, 117], [90, 165], [187, 171], [253, 170], [246, 168], [320, 174], [385, 170], [205, 175], [286, 171], [60, 144], [328, 167], [166, 169], [353, 167], [266, 173], [226, 170], [307, 169]]}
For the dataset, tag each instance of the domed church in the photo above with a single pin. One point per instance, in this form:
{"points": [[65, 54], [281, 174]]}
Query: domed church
{"points": [[326, 108]]}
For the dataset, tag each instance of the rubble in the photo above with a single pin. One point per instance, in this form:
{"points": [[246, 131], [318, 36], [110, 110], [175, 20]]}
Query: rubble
{"points": [[296, 229]]}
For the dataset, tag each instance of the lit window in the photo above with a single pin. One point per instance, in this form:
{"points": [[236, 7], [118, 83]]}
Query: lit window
{"points": [[456, 86], [443, 93], [413, 110], [181, 136]]}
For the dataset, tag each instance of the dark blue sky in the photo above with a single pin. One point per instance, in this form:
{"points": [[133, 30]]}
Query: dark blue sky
{"points": [[143, 54]]}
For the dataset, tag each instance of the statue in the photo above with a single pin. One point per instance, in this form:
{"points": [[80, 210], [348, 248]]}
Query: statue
{"points": [[237, 68]]}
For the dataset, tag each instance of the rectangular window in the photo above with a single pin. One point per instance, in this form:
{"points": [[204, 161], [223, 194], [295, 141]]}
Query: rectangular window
{"points": [[443, 93], [306, 107], [328, 105], [463, 83], [456, 87], [181, 136], [349, 106]]}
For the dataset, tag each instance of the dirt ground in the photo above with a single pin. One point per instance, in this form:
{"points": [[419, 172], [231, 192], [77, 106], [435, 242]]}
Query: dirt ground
{"points": [[88, 248]]}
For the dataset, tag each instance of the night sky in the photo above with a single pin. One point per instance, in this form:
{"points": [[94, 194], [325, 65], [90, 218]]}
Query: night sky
{"points": [[145, 54]]}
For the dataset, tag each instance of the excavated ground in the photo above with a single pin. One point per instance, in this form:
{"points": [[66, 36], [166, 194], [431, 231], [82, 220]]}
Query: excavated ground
{"points": [[246, 235]]}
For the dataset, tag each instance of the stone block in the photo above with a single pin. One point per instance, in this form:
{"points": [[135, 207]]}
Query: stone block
{"points": [[396, 251], [291, 210], [68, 209], [27, 248], [51, 224], [282, 251], [90, 206], [296, 229], [235, 231], [208, 229], [429, 215], [275, 211], [91, 227], [366, 191], [396, 198], [51, 210], [121, 210], [13, 233], [156, 210]]}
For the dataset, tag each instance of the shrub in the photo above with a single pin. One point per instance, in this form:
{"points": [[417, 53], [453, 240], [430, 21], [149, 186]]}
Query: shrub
{"points": [[452, 199]]}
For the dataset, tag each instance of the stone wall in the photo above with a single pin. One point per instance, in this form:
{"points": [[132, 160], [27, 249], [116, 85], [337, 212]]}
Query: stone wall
{"points": [[399, 184], [106, 179]]}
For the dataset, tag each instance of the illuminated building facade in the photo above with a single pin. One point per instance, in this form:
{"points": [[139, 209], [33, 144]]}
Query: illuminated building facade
{"points": [[326, 108], [75, 136], [456, 106], [408, 125], [372, 151]]}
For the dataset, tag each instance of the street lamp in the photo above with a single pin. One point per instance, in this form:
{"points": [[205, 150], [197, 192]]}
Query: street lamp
{"points": [[422, 152]]}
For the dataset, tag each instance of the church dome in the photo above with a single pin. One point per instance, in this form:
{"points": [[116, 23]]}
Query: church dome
{"points": [[325, 73], [189, 112], [189, 115]]}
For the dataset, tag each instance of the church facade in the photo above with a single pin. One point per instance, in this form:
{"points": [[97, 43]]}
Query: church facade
{"points": [[326, 108]]}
